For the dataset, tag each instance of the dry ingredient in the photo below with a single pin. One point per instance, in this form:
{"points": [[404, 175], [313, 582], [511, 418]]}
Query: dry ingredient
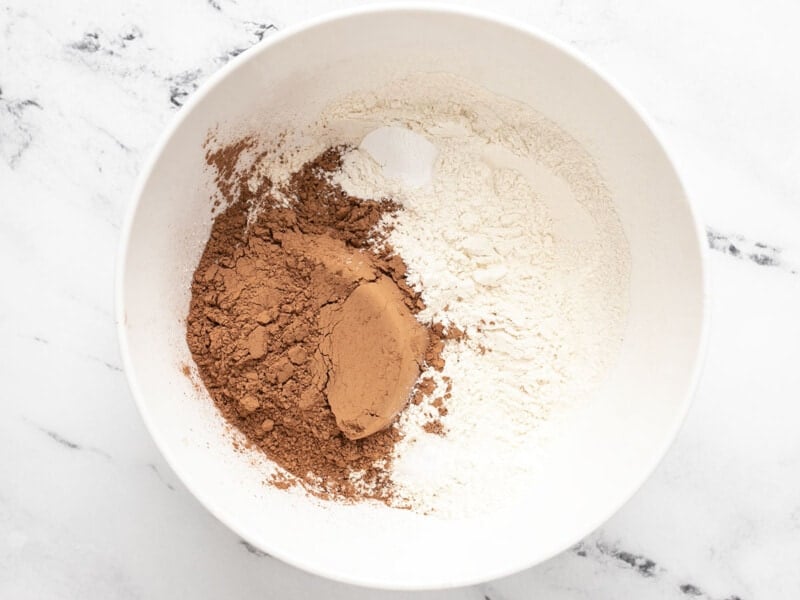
{"points": [[374, 353], [302, 328], [515, 240], [499, 234]]}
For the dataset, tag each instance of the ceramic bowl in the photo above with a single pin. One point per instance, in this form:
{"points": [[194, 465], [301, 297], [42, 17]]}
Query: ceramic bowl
{"points": [[600, 457]]}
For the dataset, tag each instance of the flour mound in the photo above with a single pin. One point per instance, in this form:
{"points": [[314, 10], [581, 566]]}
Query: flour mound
{"points": [[513, 239]]}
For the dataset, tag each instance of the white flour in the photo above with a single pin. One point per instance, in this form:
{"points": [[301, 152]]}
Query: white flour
{"points": [[509, 233], [514, 240]]}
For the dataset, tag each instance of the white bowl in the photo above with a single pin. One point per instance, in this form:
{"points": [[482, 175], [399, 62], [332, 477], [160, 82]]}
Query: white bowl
{"points": [[609, 448]]}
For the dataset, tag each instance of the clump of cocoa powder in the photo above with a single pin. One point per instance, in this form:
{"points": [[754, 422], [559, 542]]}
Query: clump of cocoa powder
{"points": [[254, 330]]}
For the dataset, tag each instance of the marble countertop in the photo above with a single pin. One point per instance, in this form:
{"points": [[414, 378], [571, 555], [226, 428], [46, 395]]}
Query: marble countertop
{"points": [[89, 509]]}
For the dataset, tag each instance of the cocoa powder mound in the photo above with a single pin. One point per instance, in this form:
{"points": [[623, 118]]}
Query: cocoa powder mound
{"points": [[271, 287]]}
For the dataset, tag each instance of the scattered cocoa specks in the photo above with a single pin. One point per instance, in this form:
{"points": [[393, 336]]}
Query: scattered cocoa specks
{"points": [[434, 427]]}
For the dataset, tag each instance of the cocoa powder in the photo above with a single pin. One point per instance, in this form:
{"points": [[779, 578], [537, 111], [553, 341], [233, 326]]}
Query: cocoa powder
{"points": [[283, 327]]}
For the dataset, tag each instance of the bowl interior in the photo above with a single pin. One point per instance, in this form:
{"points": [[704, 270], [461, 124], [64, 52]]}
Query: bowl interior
{"points": [[599, 457]]}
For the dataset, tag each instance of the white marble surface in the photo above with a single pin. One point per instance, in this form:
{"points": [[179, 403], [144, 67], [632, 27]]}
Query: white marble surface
{"points": [[88, 508]]}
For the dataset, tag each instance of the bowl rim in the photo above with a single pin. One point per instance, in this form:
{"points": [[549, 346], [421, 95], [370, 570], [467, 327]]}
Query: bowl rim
{"points": [[445, 582]]}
